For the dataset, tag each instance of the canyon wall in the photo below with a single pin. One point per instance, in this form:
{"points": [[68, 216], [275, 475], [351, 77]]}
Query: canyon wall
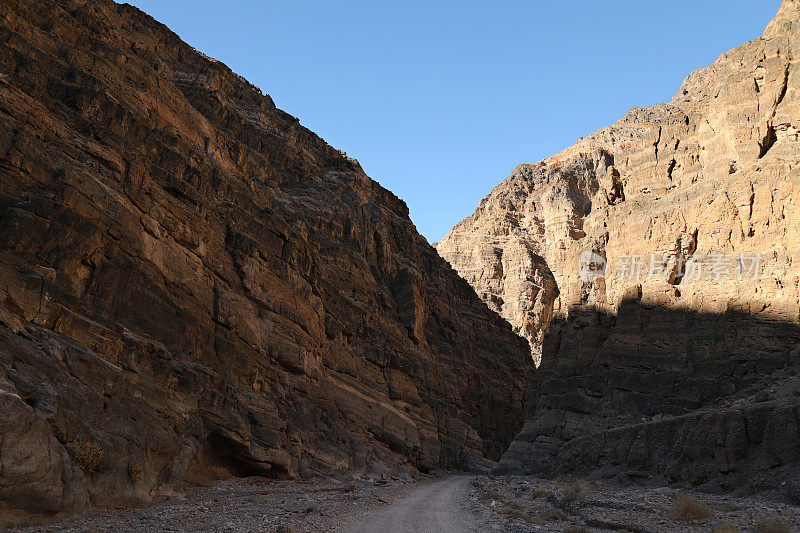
{"points": [[654, 268], [193, 285]]}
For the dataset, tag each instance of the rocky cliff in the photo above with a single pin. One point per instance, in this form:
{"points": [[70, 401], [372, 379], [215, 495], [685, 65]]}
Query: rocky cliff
{"points": [[653, 268], [193, 285]]}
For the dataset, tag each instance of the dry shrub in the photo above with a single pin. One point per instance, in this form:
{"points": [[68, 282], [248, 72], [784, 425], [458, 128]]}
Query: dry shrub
{"points": [[181, 425], [726, 527], [686, 507], [515, 511], [541, 493], [493, 495], [575, 490], [575, 529], [772, 525], [553, 513], [87, 454], [514, 506], [135, 471], [172, 384], [206, 475]]}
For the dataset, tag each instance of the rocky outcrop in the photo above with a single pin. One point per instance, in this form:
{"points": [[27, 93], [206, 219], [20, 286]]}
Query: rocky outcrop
{"points": [[689, 211], [193, 285], [505, 249], [38, 476]]}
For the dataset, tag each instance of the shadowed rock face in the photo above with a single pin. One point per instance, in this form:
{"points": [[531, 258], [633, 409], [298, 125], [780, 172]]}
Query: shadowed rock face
{"points": [[710, 179], [193, 284], [652, 390]]}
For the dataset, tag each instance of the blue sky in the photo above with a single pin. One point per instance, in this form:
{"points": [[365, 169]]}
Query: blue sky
{"points": [[440, 100]]}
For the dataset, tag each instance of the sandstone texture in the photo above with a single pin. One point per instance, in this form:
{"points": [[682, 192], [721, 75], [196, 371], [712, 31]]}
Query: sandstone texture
{"points": [[673, 361], [192, 285]]}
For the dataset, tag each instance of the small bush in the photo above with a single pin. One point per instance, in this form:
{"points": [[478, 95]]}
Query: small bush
{"points": [[554, 513], [493, 495], [686, 507], [172, 384], [541, 493], [135, 471], [772, 525], [726, 527], [515, 511], [575, 529], [181, 425], [575, 490], [509, 506], [87, 454]]}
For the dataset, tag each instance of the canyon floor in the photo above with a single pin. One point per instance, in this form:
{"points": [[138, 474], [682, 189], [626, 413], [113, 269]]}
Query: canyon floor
{"points": [[447, 503]]}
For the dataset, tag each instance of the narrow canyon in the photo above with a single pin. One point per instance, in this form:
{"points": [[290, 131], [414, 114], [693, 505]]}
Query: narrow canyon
{"points": [[197, 291]]}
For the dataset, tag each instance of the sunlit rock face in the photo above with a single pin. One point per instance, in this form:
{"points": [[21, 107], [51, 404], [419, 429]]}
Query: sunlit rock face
{"points": [[693, 206], [193, 285]]}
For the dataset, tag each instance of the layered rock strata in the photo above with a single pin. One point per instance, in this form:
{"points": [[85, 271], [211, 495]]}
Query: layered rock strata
{"points": [[192, 285], [693, 206]]}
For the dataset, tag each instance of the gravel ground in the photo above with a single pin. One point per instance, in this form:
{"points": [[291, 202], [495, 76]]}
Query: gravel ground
{"points": [[431, 507], [239, 505], [507, 504], [522, 504]]}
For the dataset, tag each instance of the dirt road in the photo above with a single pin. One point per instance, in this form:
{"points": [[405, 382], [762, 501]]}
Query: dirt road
{"points": [[436, 506]]}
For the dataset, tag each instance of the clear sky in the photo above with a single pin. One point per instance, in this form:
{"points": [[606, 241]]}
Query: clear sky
{"points": [[440, 99]]}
